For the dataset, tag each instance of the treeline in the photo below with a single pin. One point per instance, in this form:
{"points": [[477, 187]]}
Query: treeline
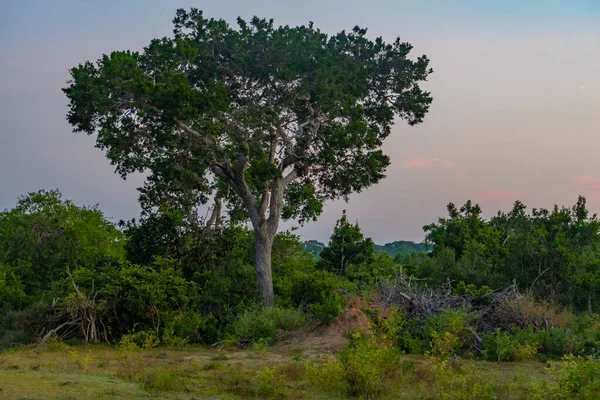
{"points": [[392, 249], [66, 272], [552, 254]]}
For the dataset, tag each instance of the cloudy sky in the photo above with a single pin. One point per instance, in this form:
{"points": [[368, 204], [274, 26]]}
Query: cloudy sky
{"points": [[516, 112]]}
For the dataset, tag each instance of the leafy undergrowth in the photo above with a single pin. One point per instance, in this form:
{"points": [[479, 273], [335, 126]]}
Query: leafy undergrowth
{"points": [[58, 371]]}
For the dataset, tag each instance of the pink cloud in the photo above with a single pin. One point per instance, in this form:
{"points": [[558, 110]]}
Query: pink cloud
{"points": [[587, 182], [582, 88], [420, 162], [492, 193], [459, 176]]}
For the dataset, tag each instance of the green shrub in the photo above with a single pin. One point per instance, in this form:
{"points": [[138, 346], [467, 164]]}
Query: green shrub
{"points": [[145, 296], [368, 367], [364, 369], [23, 326], [447, 331], [450, 382], [472, 290], [589, 330], [170, 339], [325, 312], [268, 383], [193, 327], [328, 376], [12, 290], [557, 342], [396, 327], [261, 324], [139, 340], [314, 288], [523, 351], [520, 345], [444, 345], [162, 380], [573, 377]]}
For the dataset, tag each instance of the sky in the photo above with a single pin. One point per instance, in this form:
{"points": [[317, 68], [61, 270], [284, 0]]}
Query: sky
{"points": [[516, 110]]}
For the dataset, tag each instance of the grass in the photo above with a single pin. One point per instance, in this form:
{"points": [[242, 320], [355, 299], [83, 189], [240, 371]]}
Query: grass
{"points": [[102, 372]]}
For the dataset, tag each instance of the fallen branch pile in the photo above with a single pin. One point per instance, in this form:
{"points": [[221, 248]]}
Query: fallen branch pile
{"points": [[499, 309]]}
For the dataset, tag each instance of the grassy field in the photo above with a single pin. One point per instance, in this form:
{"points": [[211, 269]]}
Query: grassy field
{"points": [[58, 371]]}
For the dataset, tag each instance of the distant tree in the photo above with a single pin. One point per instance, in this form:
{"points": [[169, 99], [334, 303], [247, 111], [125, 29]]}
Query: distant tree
{"points": [[400, 247], [347, 246], [272, 121], [314, 247]]}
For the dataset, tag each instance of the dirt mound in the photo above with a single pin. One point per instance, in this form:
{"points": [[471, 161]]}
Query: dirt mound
{"points": [[350, 318], [324, 339]]}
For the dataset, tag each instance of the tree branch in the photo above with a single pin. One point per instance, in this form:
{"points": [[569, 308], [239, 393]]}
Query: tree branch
{"points": [[266, 196], [215, 215], [264, 201], [55, 330], [205, 140], [289, 178], [223, 171], [290, 159], [276, 205]]}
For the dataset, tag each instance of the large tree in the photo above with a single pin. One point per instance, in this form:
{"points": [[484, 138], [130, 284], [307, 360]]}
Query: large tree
{"points": [[272, 120]]}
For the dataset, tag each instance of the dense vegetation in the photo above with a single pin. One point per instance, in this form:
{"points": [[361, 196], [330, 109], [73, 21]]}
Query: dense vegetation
{"points": [[552, 254], [515, 287], [67, 270]]}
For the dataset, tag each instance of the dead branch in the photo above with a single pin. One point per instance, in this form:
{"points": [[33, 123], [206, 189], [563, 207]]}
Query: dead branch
{"points": [[55, 330]]}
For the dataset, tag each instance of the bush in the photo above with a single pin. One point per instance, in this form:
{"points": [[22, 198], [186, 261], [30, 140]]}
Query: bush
{"points": [[447, 331], [364, 369], [557, 342], [12, 290], [573, 378], [589, 329], [444, 345], [192, 327], [162, 380], [472, 290], [314, 288], [326, 311], [368, 366], [392, 324], [328, 376], [23, 326], [267, 383], [261, 324], [520, 345], [139, 340], [452, 382]]}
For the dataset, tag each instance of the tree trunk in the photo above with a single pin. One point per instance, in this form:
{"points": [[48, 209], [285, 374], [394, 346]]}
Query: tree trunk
{"points": [[263, 243], [265, 228], [589, 305]]}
